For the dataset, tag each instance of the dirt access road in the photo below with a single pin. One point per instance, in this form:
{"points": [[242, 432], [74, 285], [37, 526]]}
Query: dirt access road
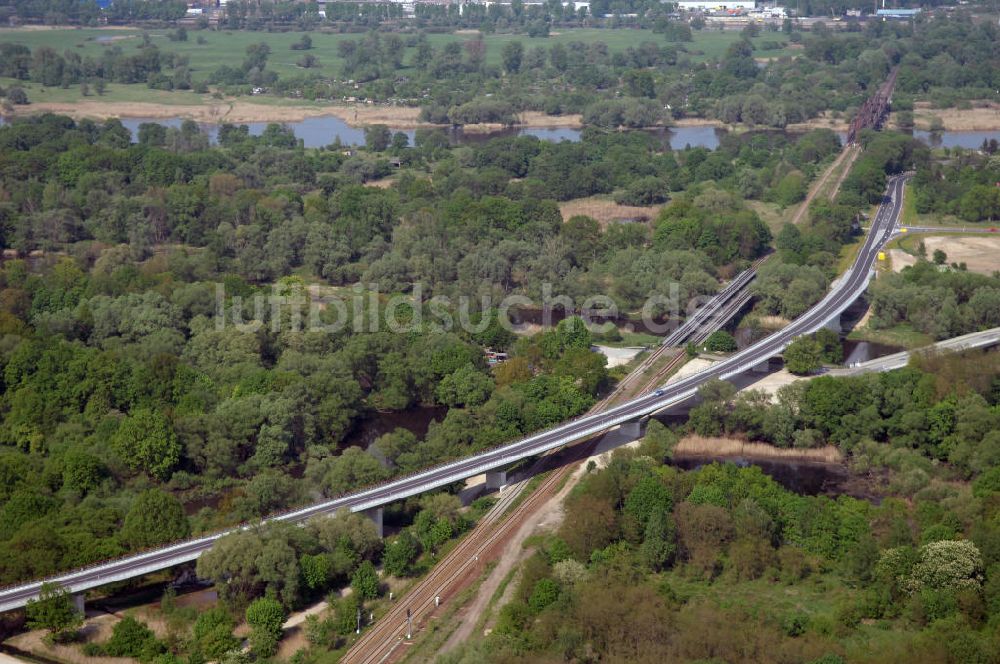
{"points": [[841, 166]]}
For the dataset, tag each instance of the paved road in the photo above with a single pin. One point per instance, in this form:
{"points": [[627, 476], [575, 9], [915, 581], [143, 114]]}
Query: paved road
{"points": [[953, 229], [982, 339], [845, 291]]}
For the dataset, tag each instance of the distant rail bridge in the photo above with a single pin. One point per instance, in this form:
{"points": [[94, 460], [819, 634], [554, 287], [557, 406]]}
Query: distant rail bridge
{"points": [[872, 114]]}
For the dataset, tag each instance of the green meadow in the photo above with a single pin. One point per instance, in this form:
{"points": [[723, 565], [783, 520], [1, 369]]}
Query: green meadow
{"points": [[229, 47]]}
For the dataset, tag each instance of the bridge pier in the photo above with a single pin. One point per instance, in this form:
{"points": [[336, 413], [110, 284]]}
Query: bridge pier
{"points": [[78, 603], [375, 515], [834, 325], [632, 430], [496, 479], [762, 367]]}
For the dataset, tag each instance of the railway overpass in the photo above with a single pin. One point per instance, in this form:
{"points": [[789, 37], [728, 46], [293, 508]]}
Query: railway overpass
{"points": [[713, 314], [848, 288]]}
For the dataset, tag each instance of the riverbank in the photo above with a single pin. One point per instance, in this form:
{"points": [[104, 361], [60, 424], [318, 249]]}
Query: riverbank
{"points": [[243, 111]]}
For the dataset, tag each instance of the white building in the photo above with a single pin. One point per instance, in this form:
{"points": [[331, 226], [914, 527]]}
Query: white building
{"points": [[714, 5]]}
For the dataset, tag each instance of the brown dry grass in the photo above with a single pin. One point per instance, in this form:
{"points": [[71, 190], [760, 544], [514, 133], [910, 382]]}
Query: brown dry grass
{"points": [[773, 322], [822, 121], [236, 111], [605, 211], [697, 122], [95, 630], [984, 117], [705, 446]]}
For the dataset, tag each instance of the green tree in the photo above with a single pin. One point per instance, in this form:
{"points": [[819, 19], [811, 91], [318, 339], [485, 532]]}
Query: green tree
{"points": [[156, 517], [659, 442], [213, 632], [545, 592], [465, 387], [146, 441], [377, 137], [948, 565], [53, 611], [720, 341], [803, 356], [511, 55], [265, 616], [131, 638], [365, 581], [266, 613], [399, 554]]}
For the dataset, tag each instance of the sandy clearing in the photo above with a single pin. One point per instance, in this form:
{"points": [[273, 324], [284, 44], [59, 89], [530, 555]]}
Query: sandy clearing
{"points": [[772, 382], [618, 356], [9, 659], [606, 211], [693, 366], [980, 254], [900, 259]]}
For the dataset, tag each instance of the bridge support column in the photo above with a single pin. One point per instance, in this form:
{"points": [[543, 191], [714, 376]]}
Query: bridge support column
{"points": [[632, 430], [496, 479], [375, 514], [762, 367], [78, 603], [834, 324]]}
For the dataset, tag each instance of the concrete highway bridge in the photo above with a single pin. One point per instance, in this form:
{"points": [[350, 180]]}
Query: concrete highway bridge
{"points": [[972, 341], [493, 462]]}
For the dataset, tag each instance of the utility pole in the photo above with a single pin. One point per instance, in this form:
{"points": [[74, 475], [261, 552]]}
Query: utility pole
{"points": [[409, 624], [359, 621]]}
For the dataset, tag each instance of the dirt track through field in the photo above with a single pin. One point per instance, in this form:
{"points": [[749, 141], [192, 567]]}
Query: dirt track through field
{"points": [[849, 154]]}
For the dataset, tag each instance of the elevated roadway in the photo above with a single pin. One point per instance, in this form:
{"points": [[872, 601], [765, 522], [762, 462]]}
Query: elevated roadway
{"points": [[851, 285], [975, 340]]}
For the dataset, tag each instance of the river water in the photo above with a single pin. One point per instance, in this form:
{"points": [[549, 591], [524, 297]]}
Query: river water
{"points": [[323, 130]]}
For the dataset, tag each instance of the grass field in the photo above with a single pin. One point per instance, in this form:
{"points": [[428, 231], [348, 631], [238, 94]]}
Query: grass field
{"points": [[229, 47]]}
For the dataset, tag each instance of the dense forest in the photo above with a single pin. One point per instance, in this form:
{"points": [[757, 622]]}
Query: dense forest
{"points": [[135, 414], [723, 564], [120, 382]]}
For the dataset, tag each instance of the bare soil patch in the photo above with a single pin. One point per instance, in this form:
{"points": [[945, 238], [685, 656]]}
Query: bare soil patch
{"points": [[606, 211], [980, 254], [900, 259], [95, 630]]}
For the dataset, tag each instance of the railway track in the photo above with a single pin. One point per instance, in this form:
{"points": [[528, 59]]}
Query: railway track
{"points": [[387, 639]]}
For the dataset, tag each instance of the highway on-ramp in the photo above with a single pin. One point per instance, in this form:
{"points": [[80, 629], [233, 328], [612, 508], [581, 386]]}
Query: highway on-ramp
{"points": [[850, 285]]}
